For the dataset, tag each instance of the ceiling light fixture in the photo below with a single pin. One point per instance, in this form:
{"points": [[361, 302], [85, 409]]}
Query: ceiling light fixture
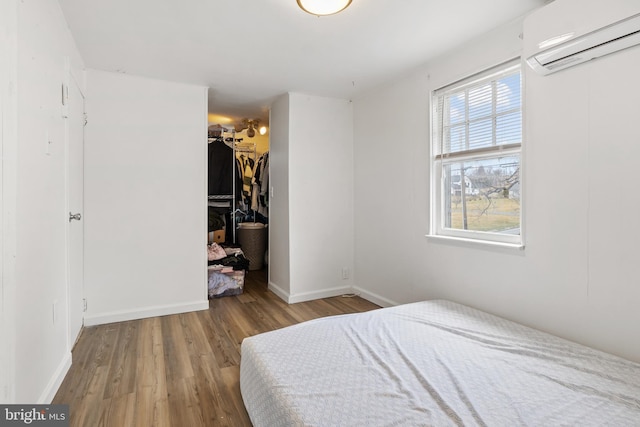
{"points": [[251, 132], [323, 7], [250, 125]]}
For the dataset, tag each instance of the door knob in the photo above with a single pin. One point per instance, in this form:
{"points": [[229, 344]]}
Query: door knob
{"points": [[74, 216]]}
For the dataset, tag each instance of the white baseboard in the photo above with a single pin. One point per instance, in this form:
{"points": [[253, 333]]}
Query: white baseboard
{"points": [[374, 298], [281, 293], [308, 296], [56, 380], [164, 310], [324, 293]]}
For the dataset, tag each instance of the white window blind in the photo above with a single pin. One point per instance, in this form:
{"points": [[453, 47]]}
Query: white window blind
{"points": [[476, 143], [480, 114]]}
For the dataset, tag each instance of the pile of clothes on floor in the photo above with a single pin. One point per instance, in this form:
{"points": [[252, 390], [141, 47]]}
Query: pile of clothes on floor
{"points": [[227, 266]]}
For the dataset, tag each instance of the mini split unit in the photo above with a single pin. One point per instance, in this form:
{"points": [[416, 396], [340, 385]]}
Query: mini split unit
{"points": [[560, 45]]}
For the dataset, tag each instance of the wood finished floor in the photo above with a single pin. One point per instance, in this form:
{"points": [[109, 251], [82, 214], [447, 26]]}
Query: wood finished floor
{"points": [[179, 370]]}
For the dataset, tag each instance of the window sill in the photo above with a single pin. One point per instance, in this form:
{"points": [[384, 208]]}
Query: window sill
{"points": [[460, 241]]}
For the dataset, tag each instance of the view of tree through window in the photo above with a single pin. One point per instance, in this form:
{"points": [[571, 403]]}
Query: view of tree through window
{"points": [[476, 146], [490, 199]]}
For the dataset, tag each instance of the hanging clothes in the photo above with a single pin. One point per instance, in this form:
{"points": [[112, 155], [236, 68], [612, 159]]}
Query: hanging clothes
{"points": [[264, 187], [246, 165], [222, 167], [260, 186]]}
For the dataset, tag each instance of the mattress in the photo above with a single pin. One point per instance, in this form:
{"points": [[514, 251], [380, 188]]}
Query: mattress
{"points": [[432, 363]]}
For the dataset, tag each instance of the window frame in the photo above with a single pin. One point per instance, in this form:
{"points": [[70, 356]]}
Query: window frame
{"points": [[438, 161]]}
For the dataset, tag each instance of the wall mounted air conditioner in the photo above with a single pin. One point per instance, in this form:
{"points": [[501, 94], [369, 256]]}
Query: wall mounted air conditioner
{"points": [[557, 47]]}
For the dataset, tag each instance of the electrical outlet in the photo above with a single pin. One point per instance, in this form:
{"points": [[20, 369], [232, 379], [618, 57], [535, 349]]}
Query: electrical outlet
{"points": [[345, 273]]}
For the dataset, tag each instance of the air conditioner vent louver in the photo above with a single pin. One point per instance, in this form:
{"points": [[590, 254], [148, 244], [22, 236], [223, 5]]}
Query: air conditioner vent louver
{"points": [[561, 63], [603, 41]]}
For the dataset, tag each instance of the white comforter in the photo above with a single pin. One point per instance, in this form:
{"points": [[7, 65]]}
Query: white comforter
{"points": [[433, 363]]}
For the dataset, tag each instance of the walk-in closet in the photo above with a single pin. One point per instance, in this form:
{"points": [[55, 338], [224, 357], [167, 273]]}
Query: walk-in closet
{"points": [[238, 207]]}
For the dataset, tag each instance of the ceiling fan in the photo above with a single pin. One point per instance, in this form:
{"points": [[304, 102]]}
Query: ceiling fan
{"points": [[250, 125]]}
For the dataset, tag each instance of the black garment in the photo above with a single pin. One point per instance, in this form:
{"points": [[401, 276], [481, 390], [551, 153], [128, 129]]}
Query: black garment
{"points": [[216, 222], [222, 167], [238, 262], [228, 236]]}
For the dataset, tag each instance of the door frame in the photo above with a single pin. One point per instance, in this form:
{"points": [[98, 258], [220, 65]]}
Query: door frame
{"points": [[8, 195], [71, 80]]}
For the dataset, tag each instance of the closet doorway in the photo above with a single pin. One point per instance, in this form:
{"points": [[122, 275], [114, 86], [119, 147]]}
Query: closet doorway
{"points": [[238, 206]]}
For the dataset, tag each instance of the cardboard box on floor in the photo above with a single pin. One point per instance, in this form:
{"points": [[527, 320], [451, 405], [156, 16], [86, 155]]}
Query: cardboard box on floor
{"points": [[217, 236]]}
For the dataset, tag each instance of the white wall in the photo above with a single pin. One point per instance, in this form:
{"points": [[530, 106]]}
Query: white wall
{"points": [[145, 197], [321, 195], [314, 160], [279, 277], [41, 351], [577, 276]]}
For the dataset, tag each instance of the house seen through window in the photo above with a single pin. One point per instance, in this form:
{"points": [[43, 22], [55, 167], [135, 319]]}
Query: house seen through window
{"points": [[476, 153]]}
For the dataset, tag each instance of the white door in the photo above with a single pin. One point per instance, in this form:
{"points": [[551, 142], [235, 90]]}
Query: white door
{"points": [[75, 189]]}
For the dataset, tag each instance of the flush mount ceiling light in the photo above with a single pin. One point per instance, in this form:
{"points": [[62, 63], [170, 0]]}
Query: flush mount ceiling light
{"points": [[323, 7]]}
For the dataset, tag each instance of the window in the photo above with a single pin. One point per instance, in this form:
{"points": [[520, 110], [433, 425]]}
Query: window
{"points": [[476, 146]]}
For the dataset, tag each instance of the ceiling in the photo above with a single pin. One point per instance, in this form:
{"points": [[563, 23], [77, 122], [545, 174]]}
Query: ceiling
{"points": [[248, 52]]}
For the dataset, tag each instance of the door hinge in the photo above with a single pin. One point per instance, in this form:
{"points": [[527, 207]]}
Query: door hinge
{"points": [[84, 304], [65, 101]]}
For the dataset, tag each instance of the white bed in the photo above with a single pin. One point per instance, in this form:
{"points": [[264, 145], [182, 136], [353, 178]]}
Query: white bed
{"points": [[433, 363]]}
